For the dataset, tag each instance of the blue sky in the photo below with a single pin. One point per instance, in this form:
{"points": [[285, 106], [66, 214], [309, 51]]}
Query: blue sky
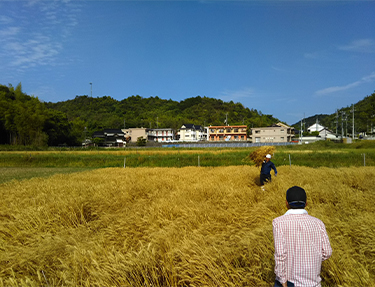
{"points": [[286, 58]]}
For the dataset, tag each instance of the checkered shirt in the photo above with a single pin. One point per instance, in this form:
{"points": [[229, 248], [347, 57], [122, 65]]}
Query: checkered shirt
{"points": [[301, 244]]}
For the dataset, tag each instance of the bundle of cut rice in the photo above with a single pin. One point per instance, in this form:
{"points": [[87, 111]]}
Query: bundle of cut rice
{"points": [[259, 154]]}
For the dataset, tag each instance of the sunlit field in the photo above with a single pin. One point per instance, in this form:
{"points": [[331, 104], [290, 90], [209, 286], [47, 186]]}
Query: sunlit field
{"points": [[189, 226], [313, 156]]}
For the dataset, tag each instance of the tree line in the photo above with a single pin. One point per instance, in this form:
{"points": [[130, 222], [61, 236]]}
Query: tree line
{"points": [[25, 120], [342, 120]]}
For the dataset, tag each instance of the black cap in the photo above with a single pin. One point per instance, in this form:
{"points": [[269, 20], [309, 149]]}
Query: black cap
{"points": [[296, 197]]}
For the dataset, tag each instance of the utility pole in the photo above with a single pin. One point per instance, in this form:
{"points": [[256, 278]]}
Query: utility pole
{"points": [[304, 122], [85, 131], [342, 124], [352, 110], [346, 125], [91, 89], [337, 120]]}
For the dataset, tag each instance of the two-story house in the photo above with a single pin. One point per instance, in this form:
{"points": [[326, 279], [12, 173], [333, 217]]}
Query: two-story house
{"points": [[276, 133], [132, 134], [160, 135], [192, 133], [111, 137], [227, 133]]}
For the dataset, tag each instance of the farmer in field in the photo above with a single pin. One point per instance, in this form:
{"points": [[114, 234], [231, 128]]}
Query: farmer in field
{"points": [[301, 243], [265, 171]]}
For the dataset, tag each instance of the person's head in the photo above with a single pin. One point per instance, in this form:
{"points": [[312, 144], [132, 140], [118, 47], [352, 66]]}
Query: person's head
{"points": [[268, 157], [296, 198]]}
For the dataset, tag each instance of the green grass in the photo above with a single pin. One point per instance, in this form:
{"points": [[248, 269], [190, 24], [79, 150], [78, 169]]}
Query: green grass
{"points": [[28, 164], [310, 158], [347, 158]]}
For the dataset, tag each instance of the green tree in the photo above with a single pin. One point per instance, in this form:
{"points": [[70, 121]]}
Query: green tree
{"points": [[141, 141], [58, 128]]}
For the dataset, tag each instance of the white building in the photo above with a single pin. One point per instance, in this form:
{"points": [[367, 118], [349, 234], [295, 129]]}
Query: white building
{"points": [[314, 128], [160, 135], [324, 133], [191, 133]]}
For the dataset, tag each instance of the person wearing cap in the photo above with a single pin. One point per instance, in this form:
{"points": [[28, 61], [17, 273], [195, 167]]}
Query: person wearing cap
{"points": [[265, 171], [301, 243]]}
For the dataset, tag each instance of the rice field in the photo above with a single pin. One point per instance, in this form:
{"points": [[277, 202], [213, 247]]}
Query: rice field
{"points": [[88, 159], [189, 226]]}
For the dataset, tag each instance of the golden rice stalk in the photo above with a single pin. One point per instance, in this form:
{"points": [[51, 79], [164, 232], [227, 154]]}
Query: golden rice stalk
{"points": [[259, 154], [162, 227]]}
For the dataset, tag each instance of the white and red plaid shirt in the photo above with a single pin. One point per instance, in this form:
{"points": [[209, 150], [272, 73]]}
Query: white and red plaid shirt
{"points": [[301, 244]]}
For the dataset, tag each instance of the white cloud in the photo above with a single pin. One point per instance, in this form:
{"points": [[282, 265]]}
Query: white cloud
{"points": [[5, 20], [334, 89], [361, 45], [9, 31], [237, 96], [37, 51], [44, 27]]}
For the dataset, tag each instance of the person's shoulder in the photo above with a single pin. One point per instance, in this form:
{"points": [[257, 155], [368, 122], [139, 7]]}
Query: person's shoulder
{"points": [[315, 219], [280, 219], [289, 217]]}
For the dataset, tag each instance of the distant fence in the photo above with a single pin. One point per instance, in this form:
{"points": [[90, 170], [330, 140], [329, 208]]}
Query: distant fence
{"points": [[221, 145]]}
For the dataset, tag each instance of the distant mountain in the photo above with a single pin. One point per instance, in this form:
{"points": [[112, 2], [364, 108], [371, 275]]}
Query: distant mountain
{"points": [[364, 118], [25, 120], [136, 111]]}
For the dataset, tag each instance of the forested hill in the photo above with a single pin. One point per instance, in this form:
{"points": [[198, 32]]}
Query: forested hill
{"points": [[25, 120], [153, 112], [364, 117]]}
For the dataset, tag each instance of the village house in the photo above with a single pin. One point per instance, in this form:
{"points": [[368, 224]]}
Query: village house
{"points": [[191, 133], [277, 133], [160, 135], [227, 133], [110, 137], [324, 133], [132, 134]]}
